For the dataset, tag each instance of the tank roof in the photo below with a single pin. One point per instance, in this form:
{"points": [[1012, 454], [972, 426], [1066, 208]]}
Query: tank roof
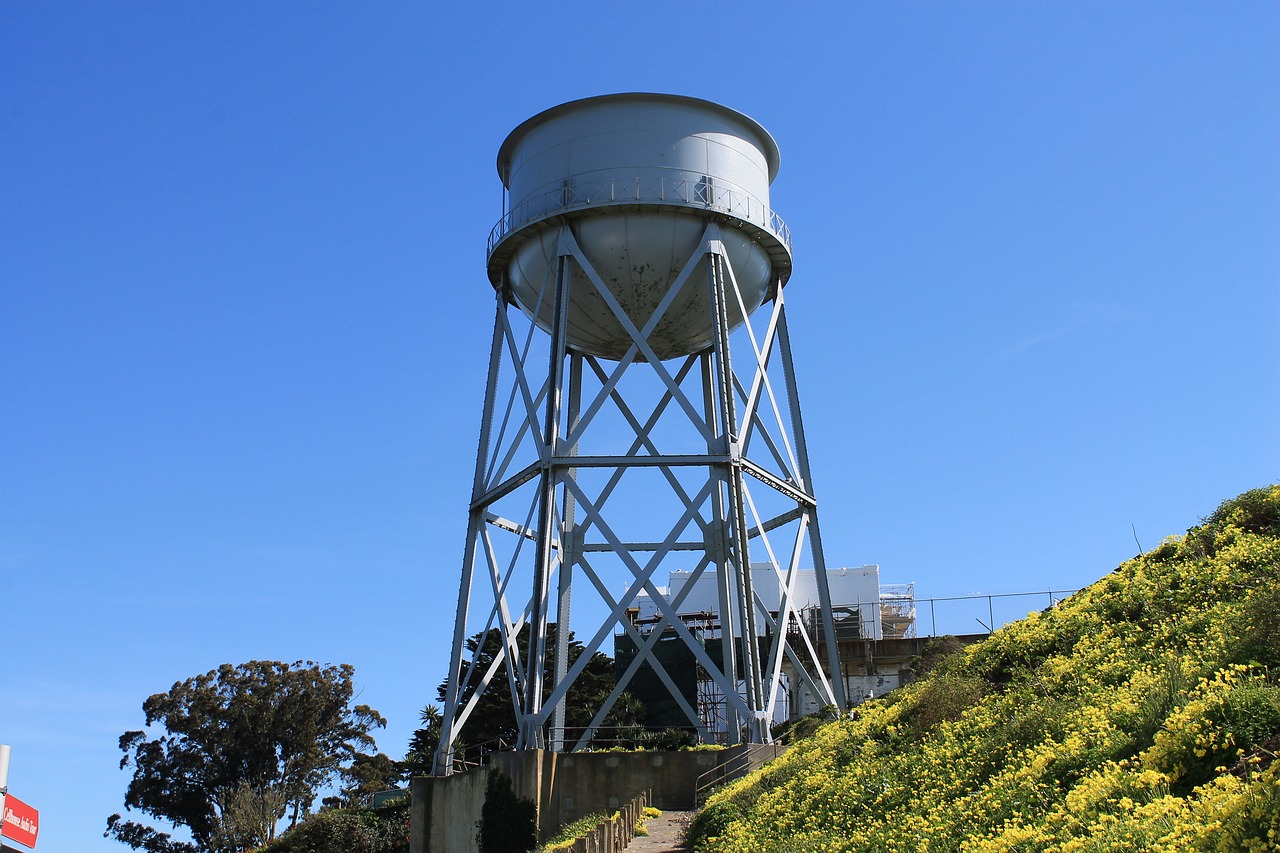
{"points": [[770, 147]]}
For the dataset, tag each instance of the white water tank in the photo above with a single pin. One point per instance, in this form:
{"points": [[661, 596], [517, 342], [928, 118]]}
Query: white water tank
{"points": [[637, 177]]}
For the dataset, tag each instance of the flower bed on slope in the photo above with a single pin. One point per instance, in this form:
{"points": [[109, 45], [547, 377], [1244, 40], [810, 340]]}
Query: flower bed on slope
{"points": [[1142, 713]]}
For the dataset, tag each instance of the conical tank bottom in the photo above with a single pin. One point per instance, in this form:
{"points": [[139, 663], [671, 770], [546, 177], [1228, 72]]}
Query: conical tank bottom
{"points": [[638, 256]]}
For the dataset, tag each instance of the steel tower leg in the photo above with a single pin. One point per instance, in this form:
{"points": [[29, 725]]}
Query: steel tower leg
{"points": [[531, 734], [568, 556], [443, 763], [815, 536], [736, 516], [719, 540]]}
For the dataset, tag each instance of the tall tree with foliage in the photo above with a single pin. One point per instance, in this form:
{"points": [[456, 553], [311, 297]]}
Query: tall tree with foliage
{"points": [[231, 753], [494, 719], [420, 756], [367, 775]]}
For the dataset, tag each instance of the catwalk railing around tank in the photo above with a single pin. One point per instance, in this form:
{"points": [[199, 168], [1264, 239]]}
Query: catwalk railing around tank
{"points": [[695, 193]]}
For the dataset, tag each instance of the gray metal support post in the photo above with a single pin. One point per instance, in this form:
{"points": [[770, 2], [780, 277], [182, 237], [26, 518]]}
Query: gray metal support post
{"points": [[443, 762], [757, 731], [5, 751], [568, 556], [719, 541], [530, 730], [815, 535]]}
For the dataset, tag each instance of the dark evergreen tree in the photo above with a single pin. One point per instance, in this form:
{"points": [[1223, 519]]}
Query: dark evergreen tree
{"points": [[238, 742], [493, 723], [367, 775], [422, 746]]}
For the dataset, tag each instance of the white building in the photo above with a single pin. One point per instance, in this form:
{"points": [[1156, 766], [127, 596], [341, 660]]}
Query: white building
{"points": [[863, 612], [855, 596]]}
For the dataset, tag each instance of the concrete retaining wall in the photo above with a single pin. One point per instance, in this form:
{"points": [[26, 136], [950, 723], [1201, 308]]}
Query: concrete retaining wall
{"points": [[563, 788], [587, 782], [450, 810]]}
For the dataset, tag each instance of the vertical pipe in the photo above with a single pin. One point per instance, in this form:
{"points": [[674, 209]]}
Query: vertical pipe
{"points": [[4, 778], [568, 556], [719, 543], [758, 729], [530, 731]]}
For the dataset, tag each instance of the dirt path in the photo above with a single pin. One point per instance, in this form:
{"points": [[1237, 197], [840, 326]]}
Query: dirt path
{"points": [[666, 834]]}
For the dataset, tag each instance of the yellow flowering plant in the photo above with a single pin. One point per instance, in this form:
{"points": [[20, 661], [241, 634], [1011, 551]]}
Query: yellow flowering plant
{"points": [[1142, 713]]}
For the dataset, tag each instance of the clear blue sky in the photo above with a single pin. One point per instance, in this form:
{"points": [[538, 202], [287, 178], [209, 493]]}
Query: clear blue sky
{"points": [[244, 314]]}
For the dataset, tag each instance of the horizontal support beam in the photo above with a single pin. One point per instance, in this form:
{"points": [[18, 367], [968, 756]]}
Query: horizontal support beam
{"points": [[639, 461], [507, 486], [783, 486], [776, 522], [512, 527], [645, 546]]}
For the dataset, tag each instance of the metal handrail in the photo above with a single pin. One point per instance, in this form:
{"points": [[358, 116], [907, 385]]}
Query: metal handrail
{"points": [[1054, 596], [625, 736], [473, 756], [911, 615], [678, 191], [735, 768]]}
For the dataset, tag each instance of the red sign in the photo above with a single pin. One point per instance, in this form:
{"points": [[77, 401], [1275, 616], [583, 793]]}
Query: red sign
{"points": [[21, 822]]}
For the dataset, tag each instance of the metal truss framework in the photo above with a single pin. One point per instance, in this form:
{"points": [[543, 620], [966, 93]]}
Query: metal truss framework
{"points": [[716, 509]]}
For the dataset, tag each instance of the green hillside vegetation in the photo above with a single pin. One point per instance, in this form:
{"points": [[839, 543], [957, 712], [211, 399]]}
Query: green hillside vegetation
{"points": [[1142, 713]]}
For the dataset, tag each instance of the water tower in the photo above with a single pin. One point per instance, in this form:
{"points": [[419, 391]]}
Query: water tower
{"points": [[640, 417]]}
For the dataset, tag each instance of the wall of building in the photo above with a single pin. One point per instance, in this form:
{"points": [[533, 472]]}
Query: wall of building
{"points": [[857, 588]]}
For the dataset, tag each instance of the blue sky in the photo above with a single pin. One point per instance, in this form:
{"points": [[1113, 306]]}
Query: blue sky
{"points": [[244, 314]]}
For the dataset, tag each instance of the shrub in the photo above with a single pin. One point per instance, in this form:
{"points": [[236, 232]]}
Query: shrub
{"points": [[508, 824], [1259, 641], [942, 699], [568, 833], [937, 651], [384, 830]]}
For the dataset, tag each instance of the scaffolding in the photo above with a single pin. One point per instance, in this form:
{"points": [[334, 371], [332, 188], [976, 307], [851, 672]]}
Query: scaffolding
{"points": [[898, 611]]}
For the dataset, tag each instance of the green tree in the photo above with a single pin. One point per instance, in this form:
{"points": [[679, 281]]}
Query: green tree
{"points": [[249, 814], [236, 750], [367, 775], [493, 721], [422, 746]]}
